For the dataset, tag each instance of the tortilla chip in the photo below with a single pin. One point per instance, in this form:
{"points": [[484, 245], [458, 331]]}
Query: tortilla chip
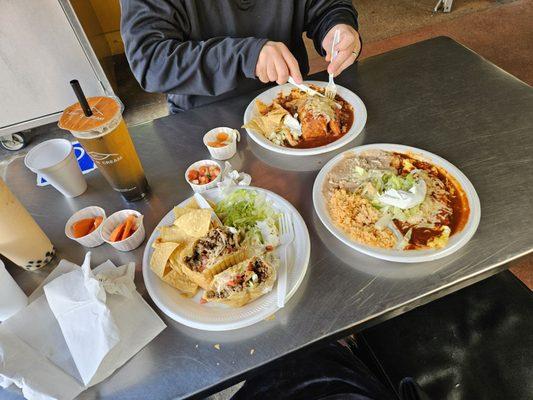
{"points": [[195, 223], [192, 204], [172, 233], [160, 256], [262, 108], [180, 211], [179, 280], [266, 123]]}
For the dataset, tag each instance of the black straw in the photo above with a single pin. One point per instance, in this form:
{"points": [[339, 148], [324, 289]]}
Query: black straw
{"points": [[81, 97]]}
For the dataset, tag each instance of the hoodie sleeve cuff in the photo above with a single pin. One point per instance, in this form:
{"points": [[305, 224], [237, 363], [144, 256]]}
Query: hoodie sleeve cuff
{"points": [[331, 19], [250, 57]]}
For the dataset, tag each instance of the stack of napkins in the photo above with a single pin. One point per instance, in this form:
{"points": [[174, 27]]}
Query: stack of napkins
{"points": [[80, 327]]}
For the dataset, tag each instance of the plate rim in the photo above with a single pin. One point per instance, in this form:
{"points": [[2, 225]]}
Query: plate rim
{"points": [[146, 270], [393, 255], [343, 141]]}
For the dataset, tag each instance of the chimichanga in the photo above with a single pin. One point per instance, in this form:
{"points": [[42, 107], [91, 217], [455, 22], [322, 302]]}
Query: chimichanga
{"points": [[242, 283]]}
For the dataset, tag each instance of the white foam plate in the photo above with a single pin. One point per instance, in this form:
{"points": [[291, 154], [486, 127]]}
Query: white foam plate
{"points": [[456, 241], [269, 95], [219, 317]]}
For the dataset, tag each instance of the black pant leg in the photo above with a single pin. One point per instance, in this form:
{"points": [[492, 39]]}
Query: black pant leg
{"points": [[329, 373]]}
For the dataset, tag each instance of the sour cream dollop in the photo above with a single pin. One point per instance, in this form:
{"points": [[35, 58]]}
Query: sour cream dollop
{"points": [[405, 199], [292, 123]]}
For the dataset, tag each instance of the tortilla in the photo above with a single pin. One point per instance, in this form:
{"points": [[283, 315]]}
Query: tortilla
{"points": [[195, 223], [203, 279], [239, 299], [160, 256]]}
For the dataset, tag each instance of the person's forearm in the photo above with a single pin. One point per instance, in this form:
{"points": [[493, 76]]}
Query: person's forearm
{"points": [[156, 35], [210, 67]]}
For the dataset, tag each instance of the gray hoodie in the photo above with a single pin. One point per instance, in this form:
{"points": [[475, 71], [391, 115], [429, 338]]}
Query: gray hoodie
{"points": [[201, 51]]}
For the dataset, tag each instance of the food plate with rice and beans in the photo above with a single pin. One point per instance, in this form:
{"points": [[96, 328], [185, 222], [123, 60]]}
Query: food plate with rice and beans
{"points": [[397, 203]]}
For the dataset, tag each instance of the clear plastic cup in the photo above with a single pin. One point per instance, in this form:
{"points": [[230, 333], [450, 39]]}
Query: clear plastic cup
{"points": [[21, 239], [105, 137]]}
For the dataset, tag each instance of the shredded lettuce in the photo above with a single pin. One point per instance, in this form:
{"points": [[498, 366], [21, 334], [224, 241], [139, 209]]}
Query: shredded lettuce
{"points": [[391, 181], [252, 214]]}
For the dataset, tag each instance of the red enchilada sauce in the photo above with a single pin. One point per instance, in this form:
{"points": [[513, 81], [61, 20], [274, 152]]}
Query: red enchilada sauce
{"points": [[456, 200], [346, 118]]}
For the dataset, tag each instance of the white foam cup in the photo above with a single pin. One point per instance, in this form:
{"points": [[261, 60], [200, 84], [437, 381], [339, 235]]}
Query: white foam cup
{"points": [[55, 161], [12, 298]]}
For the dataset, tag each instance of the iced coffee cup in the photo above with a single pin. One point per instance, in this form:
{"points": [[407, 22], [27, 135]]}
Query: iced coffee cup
{"points": [[105, 137], [21, 240]]}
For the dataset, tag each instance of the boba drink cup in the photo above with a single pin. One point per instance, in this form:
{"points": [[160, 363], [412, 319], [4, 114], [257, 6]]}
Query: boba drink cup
{"points": [[21, 240], [105, 137]]}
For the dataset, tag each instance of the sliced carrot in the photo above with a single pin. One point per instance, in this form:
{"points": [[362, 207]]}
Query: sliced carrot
{"points": [[116, 235], [129, 224], [82, 227], [222, 136], [98, 221], [216, 144], [91, 229]]}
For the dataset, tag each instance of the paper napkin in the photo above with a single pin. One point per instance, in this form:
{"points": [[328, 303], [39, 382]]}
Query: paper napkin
{"points": [[231, 178], [85, 326]]}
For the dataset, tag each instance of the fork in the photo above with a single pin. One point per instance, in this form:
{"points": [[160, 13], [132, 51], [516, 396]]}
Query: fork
{"points": [[331, 88], [286, 238]]}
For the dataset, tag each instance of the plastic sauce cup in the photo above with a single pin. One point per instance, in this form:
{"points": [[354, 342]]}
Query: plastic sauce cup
{"points": [[222, 152]]}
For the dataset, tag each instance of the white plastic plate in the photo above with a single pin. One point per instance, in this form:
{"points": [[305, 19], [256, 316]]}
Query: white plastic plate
{"points": [[456, 241], [219, 317], [269, 95]]}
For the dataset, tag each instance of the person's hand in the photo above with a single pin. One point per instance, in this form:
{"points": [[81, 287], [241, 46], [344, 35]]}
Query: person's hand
{"points": [[276, 63], [348, 48]]}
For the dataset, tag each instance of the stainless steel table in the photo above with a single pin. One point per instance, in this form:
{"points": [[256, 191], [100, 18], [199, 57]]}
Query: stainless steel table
{"points": [[436, 95]]}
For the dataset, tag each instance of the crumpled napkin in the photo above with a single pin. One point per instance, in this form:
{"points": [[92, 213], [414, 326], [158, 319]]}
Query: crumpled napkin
{"points": [[85, 326], [232, 177], [78, 301]]}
